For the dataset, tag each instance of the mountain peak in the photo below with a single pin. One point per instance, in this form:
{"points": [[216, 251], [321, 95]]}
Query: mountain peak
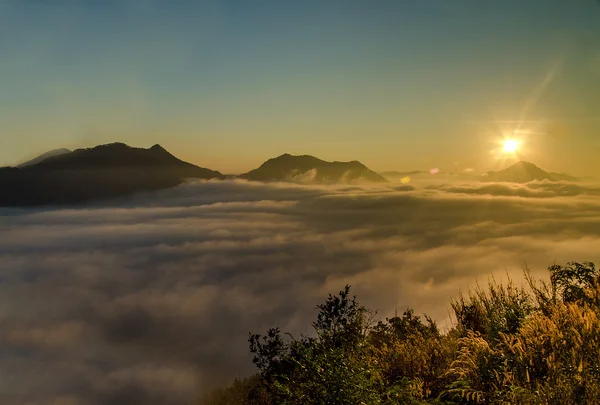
{"points": [[117, 155], [525, 165], [113, 145], [309, 169], [104, 171], [524, 172]]}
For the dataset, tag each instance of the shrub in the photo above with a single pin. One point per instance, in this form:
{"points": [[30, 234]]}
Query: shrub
{"points": [[331, 368], [499, 309], [537, 345]]}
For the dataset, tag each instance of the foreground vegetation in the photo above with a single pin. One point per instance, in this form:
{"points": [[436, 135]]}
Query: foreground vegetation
{"points": [[534, 345]]}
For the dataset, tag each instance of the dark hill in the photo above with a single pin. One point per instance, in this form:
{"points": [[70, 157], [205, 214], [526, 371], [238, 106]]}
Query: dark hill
{"points": [[101, 172], [523, 172], [309, 169]]}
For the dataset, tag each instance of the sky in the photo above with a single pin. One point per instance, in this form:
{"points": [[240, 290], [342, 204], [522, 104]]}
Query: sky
{"points": [[398, 85]]}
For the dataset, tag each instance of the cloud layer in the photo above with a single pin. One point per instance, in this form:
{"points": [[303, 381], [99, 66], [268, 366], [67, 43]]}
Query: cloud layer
{"points": [[150, 300]]}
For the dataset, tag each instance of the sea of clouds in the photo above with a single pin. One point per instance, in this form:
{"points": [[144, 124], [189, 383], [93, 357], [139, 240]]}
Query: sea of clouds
{"points": [[150, 299]]}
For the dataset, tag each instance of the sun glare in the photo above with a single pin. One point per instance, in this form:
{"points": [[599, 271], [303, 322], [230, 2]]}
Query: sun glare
{"points": [[511, 146]]}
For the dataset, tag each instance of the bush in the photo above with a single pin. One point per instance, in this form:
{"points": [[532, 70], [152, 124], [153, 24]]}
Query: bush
{"points": [[534, 345], [498, 309], [332, 368]]}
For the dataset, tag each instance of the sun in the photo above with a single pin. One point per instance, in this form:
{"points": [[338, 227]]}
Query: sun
{"points": [[511, 146]]}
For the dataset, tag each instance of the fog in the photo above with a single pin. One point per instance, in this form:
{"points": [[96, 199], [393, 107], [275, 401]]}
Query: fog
{"points": [[150, 299]]}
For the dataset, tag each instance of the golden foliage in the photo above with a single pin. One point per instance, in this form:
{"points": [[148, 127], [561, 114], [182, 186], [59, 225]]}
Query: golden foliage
{"points": [[532, 346]]}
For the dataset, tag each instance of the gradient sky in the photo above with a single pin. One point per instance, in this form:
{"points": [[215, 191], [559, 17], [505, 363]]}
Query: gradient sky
{"points": [[228, 84]]}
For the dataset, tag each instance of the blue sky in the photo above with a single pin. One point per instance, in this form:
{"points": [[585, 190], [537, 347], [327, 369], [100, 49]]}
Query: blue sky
{"points": [[228, 84]]}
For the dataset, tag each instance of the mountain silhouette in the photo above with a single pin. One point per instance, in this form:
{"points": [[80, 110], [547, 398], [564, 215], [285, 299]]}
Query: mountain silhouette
{"points": [[105, 171], [523, 172], [44, 156], [309, 169]]}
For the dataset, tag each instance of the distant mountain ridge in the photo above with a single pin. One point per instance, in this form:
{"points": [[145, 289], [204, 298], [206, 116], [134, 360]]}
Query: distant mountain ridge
{"points": [[61, 177], [524, 172], [120, 155], [101, 172], [309, 169], [44, 156]]}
